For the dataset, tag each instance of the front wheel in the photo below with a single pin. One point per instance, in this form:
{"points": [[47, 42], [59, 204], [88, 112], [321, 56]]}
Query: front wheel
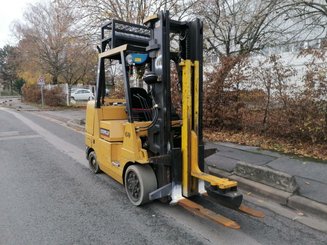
{"points": [[93, 163], [140, 181]]}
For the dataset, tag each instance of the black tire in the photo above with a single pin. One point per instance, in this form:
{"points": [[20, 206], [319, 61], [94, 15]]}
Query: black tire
{"points": [[93, 163], [140, 181]]}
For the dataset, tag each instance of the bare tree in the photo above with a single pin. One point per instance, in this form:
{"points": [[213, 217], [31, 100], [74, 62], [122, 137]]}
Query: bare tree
{"points": [[97, 12], [47, 36], [312, 13], [234, 29], [79, 65], [240, 27], [274, 78]]}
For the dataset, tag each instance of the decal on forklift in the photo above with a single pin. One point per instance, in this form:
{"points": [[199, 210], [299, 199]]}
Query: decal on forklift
{"points": [[104, 132], [115, 164]]}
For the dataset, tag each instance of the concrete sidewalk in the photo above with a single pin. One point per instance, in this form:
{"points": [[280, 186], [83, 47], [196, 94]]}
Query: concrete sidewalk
{"points": [[298, 183]]}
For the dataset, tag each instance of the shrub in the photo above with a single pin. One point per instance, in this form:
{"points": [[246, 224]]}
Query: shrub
{"points": [[263, 100], [117, 91], [31, 93], [54, 97]]}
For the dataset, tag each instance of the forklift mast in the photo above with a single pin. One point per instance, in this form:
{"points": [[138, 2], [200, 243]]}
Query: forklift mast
{"points": [[159, 48]]}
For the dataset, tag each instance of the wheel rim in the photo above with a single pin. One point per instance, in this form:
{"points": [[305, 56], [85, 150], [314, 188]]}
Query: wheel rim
{"points": [[93, 163], [133, 186]]}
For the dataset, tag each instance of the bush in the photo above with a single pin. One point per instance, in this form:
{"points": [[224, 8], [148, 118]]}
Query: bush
{"points": [[31, 93], [263, 100], [117, 91], [222, 97], [52, 97]]}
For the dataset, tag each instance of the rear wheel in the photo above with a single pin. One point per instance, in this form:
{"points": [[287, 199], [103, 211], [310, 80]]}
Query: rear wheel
{"points": [[140, 181], [94, 166]]}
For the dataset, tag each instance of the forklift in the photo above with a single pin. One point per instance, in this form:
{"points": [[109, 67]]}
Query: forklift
{"points": [[140, 141]]}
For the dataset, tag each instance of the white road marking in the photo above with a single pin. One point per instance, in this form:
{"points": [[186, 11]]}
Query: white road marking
{"points": [[63, 146], [9, 133], [19, 137]]}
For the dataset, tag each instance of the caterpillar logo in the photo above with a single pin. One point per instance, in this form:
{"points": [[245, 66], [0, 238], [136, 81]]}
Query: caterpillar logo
{"points": [[115, 164], [104, 132]]}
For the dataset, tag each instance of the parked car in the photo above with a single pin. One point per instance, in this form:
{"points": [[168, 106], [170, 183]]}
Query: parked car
{"points": [[82, 94]]}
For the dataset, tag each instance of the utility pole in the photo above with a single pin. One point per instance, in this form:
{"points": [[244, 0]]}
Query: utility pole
{"points": [[41, 83]]}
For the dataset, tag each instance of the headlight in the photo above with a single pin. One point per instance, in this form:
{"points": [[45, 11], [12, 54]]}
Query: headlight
{"points": [[129, 59], [158, 65]]}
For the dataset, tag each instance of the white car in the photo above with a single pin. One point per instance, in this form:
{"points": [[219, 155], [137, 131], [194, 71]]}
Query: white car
{"points": [[82, 94]]}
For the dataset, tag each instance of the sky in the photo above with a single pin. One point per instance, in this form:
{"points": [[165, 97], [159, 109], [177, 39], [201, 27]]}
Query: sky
{"points": [[10, 11]]}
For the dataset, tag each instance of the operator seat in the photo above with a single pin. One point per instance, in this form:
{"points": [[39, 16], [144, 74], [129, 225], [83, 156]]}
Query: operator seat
{"points": [[141, 104]]}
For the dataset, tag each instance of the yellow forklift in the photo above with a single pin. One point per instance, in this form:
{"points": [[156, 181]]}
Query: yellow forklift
{"points": [[140, 141]]}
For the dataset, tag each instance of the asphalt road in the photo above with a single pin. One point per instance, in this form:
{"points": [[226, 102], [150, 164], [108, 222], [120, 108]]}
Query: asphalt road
{"points": [[49, 196]]}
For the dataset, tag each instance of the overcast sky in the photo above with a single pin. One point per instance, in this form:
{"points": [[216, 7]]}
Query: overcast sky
{"points": [[10, 11]]}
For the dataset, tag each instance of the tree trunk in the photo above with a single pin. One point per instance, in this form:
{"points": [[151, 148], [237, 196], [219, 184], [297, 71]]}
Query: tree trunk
{"points": [[11, 90], [55, 80], [265, 118]]}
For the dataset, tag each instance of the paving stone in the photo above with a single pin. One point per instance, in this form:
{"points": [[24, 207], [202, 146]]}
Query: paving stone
{"points": [[306, 169], [312, 189], [236, 155], [221, 162]]}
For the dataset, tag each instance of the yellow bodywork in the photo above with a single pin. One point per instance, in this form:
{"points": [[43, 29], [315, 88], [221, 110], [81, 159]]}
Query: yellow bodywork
{"points": [[115, 141], [191, 171]]}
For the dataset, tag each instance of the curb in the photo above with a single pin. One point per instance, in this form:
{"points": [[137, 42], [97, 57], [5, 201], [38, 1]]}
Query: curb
{"points": [[74, 125], [69, 123], [254, 187], [279, 196], [17, 108], [267, 176], [308, 205]]}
